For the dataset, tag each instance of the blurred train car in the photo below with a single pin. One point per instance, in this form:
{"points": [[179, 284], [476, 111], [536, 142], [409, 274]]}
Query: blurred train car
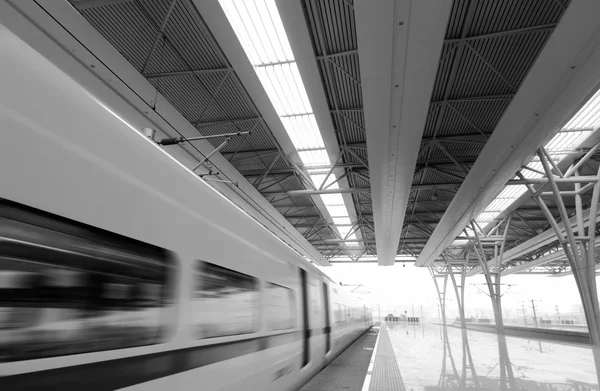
{"points": [[120, 268]]}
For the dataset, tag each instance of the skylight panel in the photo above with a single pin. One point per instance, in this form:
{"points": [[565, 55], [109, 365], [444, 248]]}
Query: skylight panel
{"points": [[319, 178], [258, 26], [341, 221], [337, 210], [260, 21], [532, 174], [273, 34], [344, 230], [588, 117], [487, 217], [315, 158], [240, 30], [566, 142], [303, 132], [332, 199], [270, 89], [302, 96]]}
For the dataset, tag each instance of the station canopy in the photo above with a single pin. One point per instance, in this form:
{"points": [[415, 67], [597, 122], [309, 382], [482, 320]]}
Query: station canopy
{"points": [[372, 133]]}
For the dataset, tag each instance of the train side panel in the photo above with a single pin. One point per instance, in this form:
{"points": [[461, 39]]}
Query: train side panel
{"points": [[63, 152]]}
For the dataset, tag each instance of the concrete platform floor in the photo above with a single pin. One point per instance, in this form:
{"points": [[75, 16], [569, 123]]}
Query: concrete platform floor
{"points": [[420, 357], [347, 372]]}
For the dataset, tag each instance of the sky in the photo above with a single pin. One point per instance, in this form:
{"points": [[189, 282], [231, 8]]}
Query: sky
{"points": [[395, 289]]}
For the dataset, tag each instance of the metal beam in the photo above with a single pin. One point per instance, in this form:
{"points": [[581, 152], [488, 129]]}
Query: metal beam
{"points": [[539, 28], [477, 138], [186, 73], [475, 98], [565, 73], [353, 190], [414, 239], [338, 54], [85, 4], [555, 256], [538, 241], [438, 163], [397, 76]]}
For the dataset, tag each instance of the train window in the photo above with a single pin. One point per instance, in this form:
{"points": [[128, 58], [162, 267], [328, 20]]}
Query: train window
{"points": [[225, 302], [68, 288], [279, 307]]}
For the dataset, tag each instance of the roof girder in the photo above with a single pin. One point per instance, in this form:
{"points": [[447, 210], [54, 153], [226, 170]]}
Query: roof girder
{"points": [[396, 39], [570, 59]]}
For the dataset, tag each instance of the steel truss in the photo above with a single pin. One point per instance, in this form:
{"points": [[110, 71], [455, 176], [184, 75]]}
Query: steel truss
{"points": [[579, 244]]}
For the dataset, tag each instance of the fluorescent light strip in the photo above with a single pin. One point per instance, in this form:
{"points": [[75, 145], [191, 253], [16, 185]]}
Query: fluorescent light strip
{"points": [[259, 28], [575, 132]]}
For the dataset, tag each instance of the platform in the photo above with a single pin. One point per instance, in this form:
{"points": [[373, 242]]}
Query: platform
{"points": [[369, 364], [348, 370], [402, 356], [548, 334]]}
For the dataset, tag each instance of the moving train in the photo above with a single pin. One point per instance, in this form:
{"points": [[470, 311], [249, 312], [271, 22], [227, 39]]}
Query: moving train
{"points": [[121, 269]]}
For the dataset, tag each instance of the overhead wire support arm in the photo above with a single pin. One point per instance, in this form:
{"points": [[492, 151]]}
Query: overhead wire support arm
{"points": [[178, 140], [217, 149]]}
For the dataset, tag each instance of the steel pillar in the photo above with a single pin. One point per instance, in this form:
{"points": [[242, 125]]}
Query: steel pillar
{"points": [[507, 377], [578, 244], [493, 274], [467, 358], [446, 343], [445, 380]]}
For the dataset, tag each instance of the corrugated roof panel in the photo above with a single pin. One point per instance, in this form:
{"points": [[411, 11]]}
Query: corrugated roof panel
{"points": [[352, 123], [431, 119], [251, 163], [164, 59], [443, 72], [458, 150], [186, 93], [337, 25], [452, 122], [457, 18], [360, 182], [155, 10], [475, 78], [477, 116], [126, 28], [229, 101], [328, 83], [345, 70], [493, 16], [436, 153], [192, 40], [512, 55]]}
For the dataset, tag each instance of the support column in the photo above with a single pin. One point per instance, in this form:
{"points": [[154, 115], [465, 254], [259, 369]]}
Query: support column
{"points": [[507, 377], [493, 274], [446, 343], [578, 245], [467, 358]]}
